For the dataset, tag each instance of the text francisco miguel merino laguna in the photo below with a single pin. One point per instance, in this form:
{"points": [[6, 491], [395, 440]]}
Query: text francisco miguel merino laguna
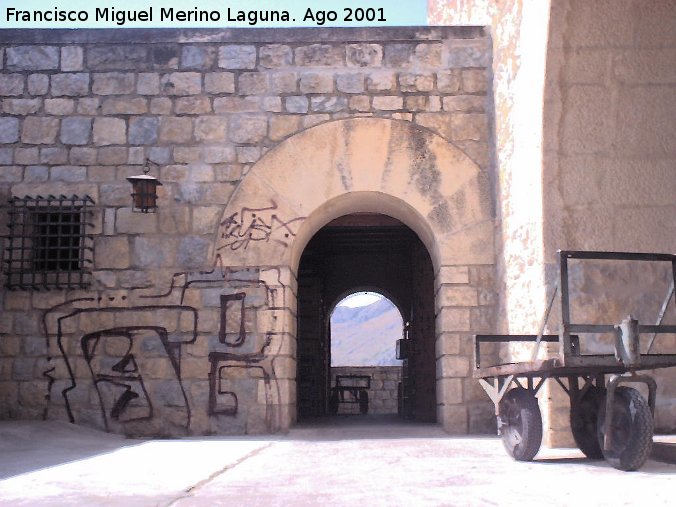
{"points": [[169, 14]]}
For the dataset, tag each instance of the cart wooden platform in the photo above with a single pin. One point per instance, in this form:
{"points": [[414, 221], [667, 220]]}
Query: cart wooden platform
{"points": [[608, 420]]}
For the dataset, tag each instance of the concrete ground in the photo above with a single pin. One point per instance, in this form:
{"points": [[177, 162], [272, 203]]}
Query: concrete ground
{"points": [[351, 461]]}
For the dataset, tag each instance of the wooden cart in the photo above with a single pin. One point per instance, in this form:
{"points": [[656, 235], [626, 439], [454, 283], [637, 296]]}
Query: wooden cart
{"points": [[608, 419]]}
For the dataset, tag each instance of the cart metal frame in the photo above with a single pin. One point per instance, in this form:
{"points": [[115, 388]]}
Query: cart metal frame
{"points": [[569, 363]]}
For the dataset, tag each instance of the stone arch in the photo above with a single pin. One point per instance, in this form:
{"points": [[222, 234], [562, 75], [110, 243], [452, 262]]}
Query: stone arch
{"points": [[361, 164], [371, 165]]}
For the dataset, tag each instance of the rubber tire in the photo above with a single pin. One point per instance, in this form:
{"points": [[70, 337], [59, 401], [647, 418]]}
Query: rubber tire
{"points": [[583, 421], [632, 430], [363, 402], [522, 424]]}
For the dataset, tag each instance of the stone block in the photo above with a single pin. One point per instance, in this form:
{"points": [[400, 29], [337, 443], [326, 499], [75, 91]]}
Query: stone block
{"points": [[88, 105], [59, 107], [152, 252], [296, 104], [219, 82], [454, 295], [11, 174], [192, 105], [409, 82], [193, 252], [449, 81], [182, 83], [364, 55], [236, 56], [453, 319], [272, 104], [275, 55], [148, 83], [428, 54], [109, 131], [472, 127], [174, 219], [7, 156], [248, 128], [72, 58], [68, 173], [9, 130], [137, 156], [328, 104], [159, 154], [453, 274], [53, 155], [464, 104], [282, 126], [32, 58], [439, 122], [38, 84], [205, 219], [474, 81], [453, 366], [164, 56], [248, 154], [23, 368], [21, 107], [450, 391], [218, 154], [360, 103], [398, 55], [113, 83], [453, 418], [253, 83], [112, 155], [449, 344], [76, 130], [118, 106], [143, 130], [468, 53], [11, 84], [316, 82], [111, 252], [39, 130], [283, 82], [211, 128], [319, 55], [71, 85], [236, 104], [161, 105], [197, 57], [82, 156], [175, 129], [350, 83], [388, 102], [381, 81], [117, 57]]}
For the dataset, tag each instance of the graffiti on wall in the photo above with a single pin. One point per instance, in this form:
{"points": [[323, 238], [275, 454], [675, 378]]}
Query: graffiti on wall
{"points": [[249, 225], [130, 356]]}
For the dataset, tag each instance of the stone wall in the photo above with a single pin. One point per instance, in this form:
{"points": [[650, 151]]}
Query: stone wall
{"points": [[383, 392], [188, 303]]}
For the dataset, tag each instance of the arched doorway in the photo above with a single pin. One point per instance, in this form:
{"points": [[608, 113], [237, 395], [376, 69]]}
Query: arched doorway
{"points": [[377, 167], [379, 252]]}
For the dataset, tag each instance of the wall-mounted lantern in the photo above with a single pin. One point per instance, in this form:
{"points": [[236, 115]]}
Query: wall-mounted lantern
{"points": [[144, 191]]}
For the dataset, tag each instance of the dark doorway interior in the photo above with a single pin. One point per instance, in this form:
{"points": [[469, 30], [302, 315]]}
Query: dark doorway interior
{"points": [[374, 252]]}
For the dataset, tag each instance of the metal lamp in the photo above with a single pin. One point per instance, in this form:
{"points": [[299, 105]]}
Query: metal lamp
{"points": [[144, 191]]}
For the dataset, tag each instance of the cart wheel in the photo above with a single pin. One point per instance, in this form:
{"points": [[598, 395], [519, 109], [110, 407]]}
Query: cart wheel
{"points": [[632, 430], [363, 402], [521, 424], [333, 403], [583, 417]]}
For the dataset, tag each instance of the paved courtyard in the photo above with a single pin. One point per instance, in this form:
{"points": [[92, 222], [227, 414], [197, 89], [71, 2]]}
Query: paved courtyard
{"points": [[349, 461]]}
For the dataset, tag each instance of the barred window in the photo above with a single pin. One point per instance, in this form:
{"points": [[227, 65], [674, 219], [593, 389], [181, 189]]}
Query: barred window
{"points": [[48, 246]]}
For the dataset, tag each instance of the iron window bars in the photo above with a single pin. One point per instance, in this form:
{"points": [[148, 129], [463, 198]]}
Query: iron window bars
{"points": [[48, 246]]}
